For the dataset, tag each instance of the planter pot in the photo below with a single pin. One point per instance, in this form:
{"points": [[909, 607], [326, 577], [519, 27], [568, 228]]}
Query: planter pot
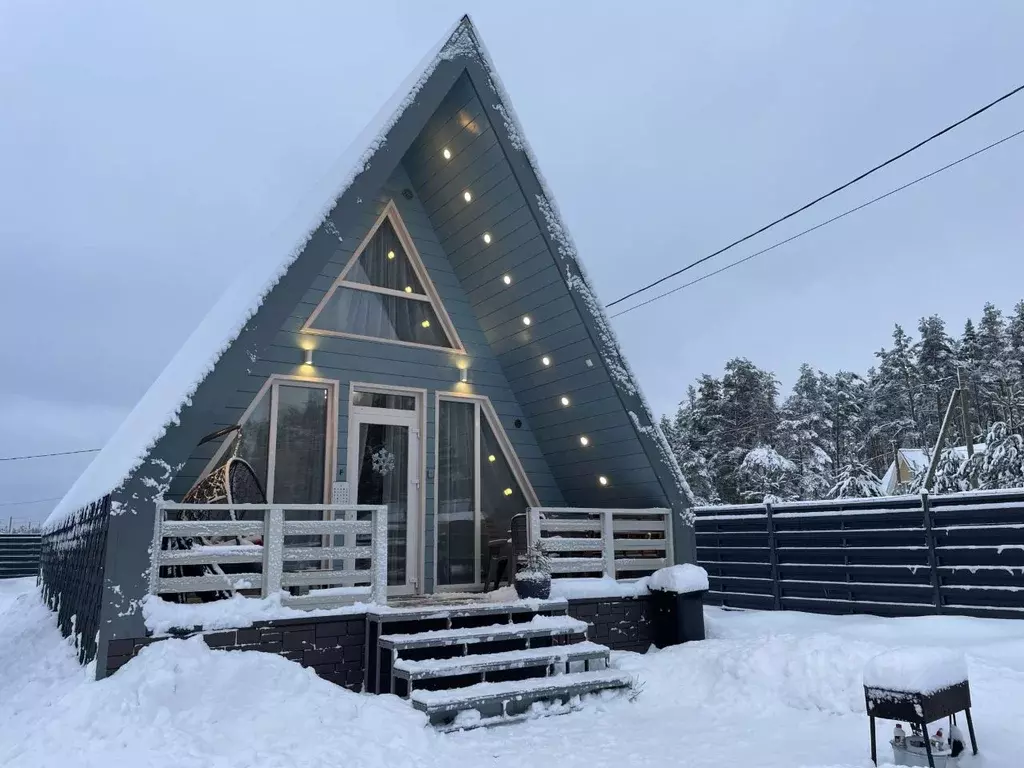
{"points": [[678, 618], [533, 589]]}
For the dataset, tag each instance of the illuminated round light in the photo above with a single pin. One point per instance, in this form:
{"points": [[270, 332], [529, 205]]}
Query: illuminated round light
{"points": [[602, 480], [487, 237], [492, 458], [391, 254], [447, 153], [564, 400], [467, 196], [508, 491], [408, 289], [506, 279], [425, 323], [526, 320], [584, 441], [546, 360]]}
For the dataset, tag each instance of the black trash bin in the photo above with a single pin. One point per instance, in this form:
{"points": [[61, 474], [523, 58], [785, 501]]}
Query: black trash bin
{"points": [[678, 617]]}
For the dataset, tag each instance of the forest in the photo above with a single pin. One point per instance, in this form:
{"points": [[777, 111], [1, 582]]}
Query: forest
{"points": [[834, 435]]}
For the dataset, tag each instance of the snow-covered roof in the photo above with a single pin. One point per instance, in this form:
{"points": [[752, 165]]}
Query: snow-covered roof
{"points": [[173, 388], [162, 404], [917, 460]]}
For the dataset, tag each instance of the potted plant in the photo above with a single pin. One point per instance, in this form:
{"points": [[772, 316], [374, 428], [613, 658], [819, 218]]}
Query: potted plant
{"points": [[534, 580]]}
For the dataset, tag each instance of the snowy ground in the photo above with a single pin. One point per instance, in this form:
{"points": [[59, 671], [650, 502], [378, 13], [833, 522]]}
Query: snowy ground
{"points": [[778, 690]]}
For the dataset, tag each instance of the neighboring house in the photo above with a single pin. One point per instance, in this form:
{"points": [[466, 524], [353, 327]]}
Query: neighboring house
{"points": [[913, 462], [425, 345]]}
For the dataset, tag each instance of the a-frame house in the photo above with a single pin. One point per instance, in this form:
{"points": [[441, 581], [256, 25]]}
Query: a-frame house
{"points": [[425, 339]]}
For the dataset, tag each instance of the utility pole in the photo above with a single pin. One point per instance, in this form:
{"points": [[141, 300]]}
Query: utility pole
{"points": [[965, 413], [946, 422]]}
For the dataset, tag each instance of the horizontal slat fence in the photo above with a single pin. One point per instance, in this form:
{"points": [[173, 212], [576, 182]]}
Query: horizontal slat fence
{"points": [[19, 554], [895, 556]]}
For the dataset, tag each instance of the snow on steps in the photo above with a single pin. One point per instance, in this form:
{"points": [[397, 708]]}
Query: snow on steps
{"points": [[515, 697], [489, 662], [539, 626]]}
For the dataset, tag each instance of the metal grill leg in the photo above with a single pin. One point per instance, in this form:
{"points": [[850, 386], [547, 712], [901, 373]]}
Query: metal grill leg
{"points": [[928, 745], [874, 752], [970, 729]]}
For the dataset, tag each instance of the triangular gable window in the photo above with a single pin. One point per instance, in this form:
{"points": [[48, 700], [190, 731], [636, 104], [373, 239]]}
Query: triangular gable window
{"points": [[384, 293]]}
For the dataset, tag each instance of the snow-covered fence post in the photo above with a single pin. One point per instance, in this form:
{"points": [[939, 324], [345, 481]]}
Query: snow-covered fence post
{"points": [[379, 557], [532, 527], [608, 542], [159, 514], [773, 556], [929, 535], [273, 550]]}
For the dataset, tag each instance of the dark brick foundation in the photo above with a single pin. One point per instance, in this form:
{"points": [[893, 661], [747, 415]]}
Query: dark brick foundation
{"points": [[332, 646], [621, 623]]}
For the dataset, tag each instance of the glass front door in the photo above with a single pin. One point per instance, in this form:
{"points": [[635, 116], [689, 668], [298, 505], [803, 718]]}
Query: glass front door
{"points": [[384, 469]]}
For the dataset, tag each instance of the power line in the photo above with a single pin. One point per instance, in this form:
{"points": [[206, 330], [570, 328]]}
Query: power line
{"points": [[817, 226], [817, 200], [31, 501], [47, 455]]}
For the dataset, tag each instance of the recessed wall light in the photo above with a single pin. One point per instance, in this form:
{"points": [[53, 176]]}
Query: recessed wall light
{"points": [[467, 196], [526, 320], [508, 491], [584, 441], [589, 362], [391, 254], [564, 400], [447, 153], [602, 480], [425, 323], [506, 279], [546, 360], [492, 458], [487, 237]]}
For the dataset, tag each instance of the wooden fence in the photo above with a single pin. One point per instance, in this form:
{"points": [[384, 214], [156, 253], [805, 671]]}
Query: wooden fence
{"points": [[896, 556], [615, 543], [336, 559], [19, 554]]}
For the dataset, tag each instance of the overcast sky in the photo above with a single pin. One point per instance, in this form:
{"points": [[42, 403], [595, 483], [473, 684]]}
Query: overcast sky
{"points": [[144, 149]]}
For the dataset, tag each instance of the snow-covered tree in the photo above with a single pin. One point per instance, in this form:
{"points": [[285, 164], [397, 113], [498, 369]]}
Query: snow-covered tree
{"points": [[936, 372], [749, 417], [693, 464], [856, 481], [1002, 463], [894, 391], [949, 474], [765, 475], [803, 435]]}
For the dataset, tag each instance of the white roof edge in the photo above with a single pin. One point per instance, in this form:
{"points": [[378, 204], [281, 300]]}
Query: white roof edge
{"points": [[161, 405]]}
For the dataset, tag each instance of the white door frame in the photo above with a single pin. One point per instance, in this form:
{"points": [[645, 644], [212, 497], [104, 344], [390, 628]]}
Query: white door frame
{"points": [[413, 420]]}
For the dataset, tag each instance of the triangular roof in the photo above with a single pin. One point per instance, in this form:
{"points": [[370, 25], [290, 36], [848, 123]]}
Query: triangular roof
{"points": [[160, 407]]}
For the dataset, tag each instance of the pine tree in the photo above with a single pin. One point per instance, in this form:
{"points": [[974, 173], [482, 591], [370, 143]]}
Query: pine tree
{"points": [[765, 475], [856, 481], [894, 389], [968, 357], [995, 379], [749, 417], [680, 436], [1002, 463], [936, 372], [803, 435], [949, 475]]}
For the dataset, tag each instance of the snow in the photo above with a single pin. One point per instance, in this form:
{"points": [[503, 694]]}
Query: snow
{"points": [[767, 690], [680, 579], [160, 407], [603, 587], [236, 612], [552, 624], [513, 687], [463, 662], [916, 670]]}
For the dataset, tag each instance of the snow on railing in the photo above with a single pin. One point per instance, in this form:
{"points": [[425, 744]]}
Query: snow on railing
{"points": [[206, 548], [611, 542]]}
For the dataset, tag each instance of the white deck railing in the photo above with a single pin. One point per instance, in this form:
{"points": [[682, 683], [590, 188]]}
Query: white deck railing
{"points": [[618, 543], [332, 574]]}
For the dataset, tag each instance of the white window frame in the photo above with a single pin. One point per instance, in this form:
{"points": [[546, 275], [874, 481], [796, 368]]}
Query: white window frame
{"points": [[416, 420], [484, 409], [390, 213], [272, 384]]}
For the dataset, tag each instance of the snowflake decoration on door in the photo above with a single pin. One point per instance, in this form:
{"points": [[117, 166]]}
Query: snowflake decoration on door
{"points": [[383, 461]]}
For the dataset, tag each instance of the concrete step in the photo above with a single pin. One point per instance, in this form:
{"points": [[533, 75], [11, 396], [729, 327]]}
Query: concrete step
{"points": [[539, 626], [482, 663], [502, 701]]}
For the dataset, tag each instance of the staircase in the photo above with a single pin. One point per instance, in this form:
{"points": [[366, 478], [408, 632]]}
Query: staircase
{"points": [[482, 664]]}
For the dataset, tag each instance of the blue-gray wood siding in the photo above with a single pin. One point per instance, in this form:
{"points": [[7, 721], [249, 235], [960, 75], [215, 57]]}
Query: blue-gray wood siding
{"points": [[499, 207], [354, 360]]}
